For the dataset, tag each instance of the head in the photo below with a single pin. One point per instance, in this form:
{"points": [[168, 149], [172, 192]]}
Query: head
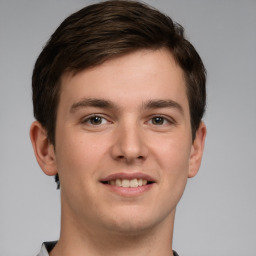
{"points": [[104, 31], [93, 52]]}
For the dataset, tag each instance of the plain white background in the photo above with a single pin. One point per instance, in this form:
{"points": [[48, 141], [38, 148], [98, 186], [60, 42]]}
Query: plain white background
{"points": [[217, 214]]}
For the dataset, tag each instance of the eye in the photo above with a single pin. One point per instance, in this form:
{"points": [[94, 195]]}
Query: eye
{"points": [[95, 120], [159, 120]]}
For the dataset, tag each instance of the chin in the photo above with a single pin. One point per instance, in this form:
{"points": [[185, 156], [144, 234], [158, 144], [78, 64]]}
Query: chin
{"points": [[132, 224]]}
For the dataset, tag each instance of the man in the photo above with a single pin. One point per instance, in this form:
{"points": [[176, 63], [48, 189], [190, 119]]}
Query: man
{"points": [[119, 96]]}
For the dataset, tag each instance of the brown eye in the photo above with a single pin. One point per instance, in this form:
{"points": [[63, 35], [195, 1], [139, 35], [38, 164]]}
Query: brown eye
{"points": [[95, 120], [158, 120]]}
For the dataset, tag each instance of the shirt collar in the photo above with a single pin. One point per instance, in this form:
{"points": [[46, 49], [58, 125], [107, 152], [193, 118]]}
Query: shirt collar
{"points": [[48, 246]]}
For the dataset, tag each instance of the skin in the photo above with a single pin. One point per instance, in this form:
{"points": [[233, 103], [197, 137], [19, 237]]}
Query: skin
{"points": [[139, 125]]}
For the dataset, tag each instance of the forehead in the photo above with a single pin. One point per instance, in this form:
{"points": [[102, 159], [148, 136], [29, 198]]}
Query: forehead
{"points": [[140, 75]]}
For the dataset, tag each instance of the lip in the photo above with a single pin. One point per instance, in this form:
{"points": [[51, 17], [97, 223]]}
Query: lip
{"points": [[128, 192]]}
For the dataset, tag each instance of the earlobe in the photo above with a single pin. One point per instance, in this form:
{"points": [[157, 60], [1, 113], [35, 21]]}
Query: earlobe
{"points": [[43, 149], [197, 151]]}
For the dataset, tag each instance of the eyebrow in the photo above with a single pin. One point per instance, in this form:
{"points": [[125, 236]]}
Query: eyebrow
{"points": [[154, 104], [92, 102]]}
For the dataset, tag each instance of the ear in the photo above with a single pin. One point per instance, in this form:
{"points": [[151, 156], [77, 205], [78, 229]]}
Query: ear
{"points": [[197, 150], [43, 149]]}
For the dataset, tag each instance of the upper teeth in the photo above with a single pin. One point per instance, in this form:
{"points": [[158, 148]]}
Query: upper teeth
{"points": [[128, 183]]}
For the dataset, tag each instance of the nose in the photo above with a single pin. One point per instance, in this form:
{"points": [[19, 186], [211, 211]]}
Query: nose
{"points": [[129, 143]]}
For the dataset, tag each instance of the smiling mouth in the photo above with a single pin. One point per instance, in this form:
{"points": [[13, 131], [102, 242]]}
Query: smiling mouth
{"points": [[128, 183]]}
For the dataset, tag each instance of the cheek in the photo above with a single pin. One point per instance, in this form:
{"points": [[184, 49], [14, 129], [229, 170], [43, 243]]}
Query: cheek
{"points": [[174, 162], [78, 155], [173, 154], [78, 160]]}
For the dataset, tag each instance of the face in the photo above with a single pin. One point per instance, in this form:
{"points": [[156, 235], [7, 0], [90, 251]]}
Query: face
{"points": [[123, 142]]}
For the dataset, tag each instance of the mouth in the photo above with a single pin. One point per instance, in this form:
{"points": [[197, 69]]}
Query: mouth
{"points": [[128, 183], [128, 180]]}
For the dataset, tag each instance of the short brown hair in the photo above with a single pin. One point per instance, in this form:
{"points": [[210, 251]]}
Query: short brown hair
{"points": [[107, 30]]}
